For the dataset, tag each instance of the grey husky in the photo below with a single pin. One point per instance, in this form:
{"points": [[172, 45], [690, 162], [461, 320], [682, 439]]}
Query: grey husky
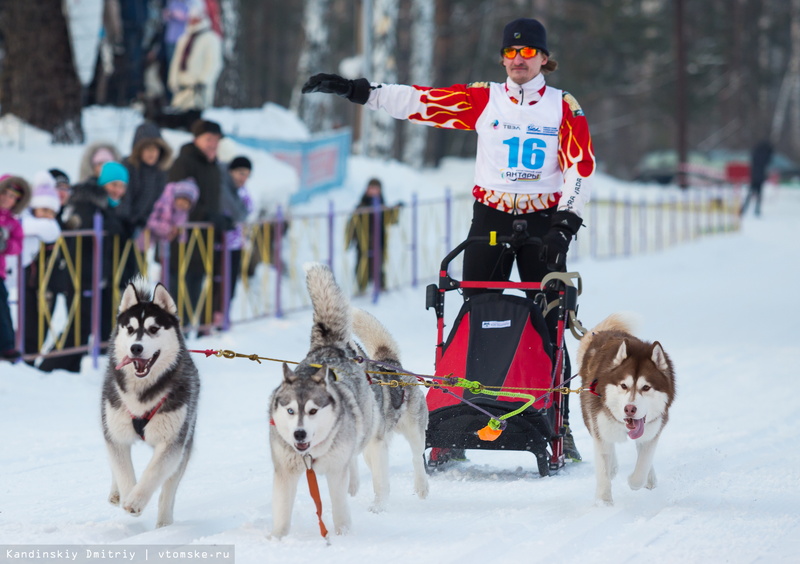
{"points": [[150, 394], [324, 413]]}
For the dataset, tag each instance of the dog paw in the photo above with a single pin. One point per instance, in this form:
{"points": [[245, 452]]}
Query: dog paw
{"points": [[651, 481], [113, 498], [134, 504], [377, 506], [164, 523], [277, 534], [635, 482], [422, 490], [603, 502]]}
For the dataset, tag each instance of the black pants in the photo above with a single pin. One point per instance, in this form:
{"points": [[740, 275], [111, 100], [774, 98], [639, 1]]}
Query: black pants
{"points": [[484, 262], [753, 193], [495, 263]]}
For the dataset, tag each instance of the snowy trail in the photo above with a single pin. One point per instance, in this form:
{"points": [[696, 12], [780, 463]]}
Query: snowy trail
{"points": [[728, 466]]}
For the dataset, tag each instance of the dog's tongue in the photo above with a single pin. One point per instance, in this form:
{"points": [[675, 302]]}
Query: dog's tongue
{"points": [[126, 360], [636, 427]]}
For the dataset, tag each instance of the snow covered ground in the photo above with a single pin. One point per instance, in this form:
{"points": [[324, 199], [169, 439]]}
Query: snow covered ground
{"points": [[728, 463]]}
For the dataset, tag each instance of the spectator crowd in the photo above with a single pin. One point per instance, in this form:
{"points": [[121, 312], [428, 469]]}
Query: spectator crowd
{"points": [[145, 200]]}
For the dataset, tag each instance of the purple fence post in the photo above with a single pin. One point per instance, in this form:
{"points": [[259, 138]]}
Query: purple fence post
{"points": [[225, 286], [612, 226], [414, 241], [97, 297], [686, 216], [643, 225], [277, 245], [673, 220], [660, 203], [331, 221], [376, 249], [20, 337], [627, 228]]}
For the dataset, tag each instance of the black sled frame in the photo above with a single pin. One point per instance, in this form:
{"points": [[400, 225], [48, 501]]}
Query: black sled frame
{"points": [[539, 431]]}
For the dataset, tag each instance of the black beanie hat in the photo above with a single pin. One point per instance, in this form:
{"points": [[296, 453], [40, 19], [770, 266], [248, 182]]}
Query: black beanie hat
{"points": [[59, 175], [525, 31], [241, 162]]}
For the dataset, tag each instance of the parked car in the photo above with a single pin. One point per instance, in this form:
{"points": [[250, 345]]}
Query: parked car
{"points": [[712, 167]]}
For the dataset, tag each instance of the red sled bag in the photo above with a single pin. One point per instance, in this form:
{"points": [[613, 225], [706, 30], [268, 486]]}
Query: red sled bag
{"points": [[501, 341]]}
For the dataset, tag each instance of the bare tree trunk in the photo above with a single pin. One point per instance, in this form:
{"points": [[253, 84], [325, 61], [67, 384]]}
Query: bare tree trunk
{"points": [[790, 88], [423, 36], [40, 84], [229, 91], [314, 110], [382, 126]]}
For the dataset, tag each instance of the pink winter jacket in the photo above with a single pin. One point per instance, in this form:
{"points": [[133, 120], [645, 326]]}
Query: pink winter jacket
{"points": [[14, 242], [164, 215]]}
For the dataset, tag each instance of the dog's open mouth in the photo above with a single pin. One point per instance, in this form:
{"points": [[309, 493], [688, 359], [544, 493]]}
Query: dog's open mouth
{"points": [[302, 446], [635, 427], [141, 366]]}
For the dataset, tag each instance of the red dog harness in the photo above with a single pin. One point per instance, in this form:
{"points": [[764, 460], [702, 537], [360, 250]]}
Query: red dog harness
{"points": [[139, 423]]}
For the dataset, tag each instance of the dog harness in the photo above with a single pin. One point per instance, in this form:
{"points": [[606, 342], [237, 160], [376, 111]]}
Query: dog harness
{"points": [[139, 423]]}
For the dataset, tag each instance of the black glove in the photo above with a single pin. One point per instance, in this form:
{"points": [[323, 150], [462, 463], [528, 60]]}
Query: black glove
{"points": [[3, 239], [563, 226], [354, 90]]}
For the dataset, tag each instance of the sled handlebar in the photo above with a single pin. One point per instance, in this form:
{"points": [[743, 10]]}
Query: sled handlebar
{"points": [[519, 238]]}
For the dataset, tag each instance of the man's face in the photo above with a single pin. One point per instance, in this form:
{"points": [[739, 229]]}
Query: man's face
{"points": [[522, 70], [239, 176], [208, 143]]}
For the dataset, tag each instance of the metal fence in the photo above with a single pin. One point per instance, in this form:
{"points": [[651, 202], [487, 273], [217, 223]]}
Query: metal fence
{"points": [[76, 299]]}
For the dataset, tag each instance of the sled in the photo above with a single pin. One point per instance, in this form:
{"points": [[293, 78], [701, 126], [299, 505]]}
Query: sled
{"points": [[503, 342]]}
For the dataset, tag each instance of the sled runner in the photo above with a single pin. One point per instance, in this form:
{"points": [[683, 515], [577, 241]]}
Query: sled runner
{"points": [[503, 342]]}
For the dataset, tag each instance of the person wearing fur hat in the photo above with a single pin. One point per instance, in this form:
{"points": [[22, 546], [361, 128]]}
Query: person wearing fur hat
{"points": [[40, 227], [101, 195], [94, 157], [15, 193], [196, 63], [534, 159]]}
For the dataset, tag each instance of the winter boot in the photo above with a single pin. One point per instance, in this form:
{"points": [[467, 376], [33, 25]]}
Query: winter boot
{"points": [[441, 456], [570, 450]]}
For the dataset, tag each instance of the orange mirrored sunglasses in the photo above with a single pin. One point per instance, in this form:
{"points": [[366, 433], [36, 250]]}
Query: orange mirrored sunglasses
{"points": [[525, 52]]}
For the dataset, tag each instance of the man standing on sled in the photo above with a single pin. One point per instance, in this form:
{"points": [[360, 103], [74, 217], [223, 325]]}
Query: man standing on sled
{"points": [[534, 159]]}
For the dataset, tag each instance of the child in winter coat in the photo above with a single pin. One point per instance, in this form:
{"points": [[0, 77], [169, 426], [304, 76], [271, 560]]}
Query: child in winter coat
{"points": [[171, 210], [39, 225], [98, 195], [14, 196], [170, 214]]}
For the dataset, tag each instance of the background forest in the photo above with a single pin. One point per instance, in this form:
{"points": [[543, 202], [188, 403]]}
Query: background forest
{"points": [[650, 74]]}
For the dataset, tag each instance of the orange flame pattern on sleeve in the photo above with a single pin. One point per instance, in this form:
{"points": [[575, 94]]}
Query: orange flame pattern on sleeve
{"points": [[575, 143], [456, 107]]}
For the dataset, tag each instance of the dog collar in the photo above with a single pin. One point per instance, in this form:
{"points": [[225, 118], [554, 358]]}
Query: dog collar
{"points": [[139, 423]]}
